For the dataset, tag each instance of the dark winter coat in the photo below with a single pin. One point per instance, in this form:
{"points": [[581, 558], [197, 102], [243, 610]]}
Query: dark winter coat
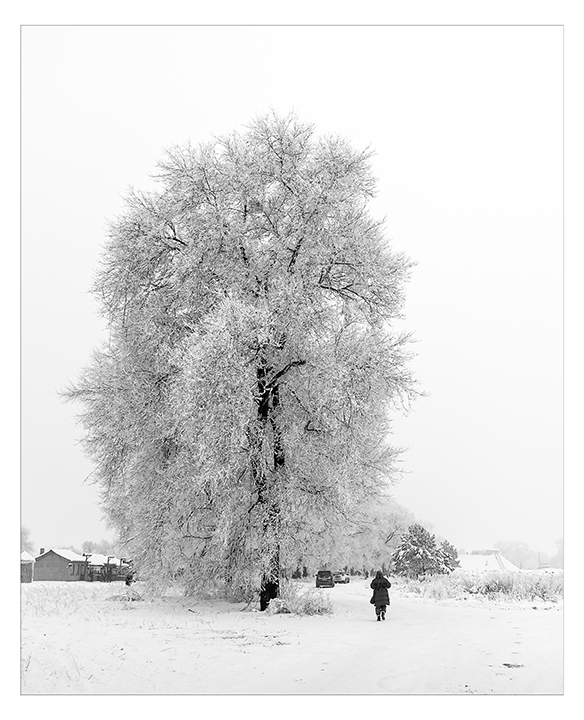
{"points": [[380, 587]]}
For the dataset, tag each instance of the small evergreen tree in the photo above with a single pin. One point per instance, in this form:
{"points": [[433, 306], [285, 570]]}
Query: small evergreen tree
{"points": [[450, 556], [417, 554]]}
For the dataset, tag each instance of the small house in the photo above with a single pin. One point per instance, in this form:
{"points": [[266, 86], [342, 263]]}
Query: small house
{"points": [[26, 567], [63, 565], [68, 566]]}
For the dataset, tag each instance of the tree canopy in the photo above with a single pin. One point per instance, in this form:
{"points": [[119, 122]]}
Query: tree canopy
{"points": [[103, 547], [521, 554], [241, 407]]}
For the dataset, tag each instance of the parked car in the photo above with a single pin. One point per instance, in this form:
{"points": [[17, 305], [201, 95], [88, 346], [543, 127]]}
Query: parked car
{"points": [[324, 578], [341, 577]]}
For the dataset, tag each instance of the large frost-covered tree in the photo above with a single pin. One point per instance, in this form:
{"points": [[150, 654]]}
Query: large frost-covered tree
{"points": [[241, 406]]}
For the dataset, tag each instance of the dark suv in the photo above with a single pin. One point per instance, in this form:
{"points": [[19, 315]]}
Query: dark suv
{"points": [[324, 578]]}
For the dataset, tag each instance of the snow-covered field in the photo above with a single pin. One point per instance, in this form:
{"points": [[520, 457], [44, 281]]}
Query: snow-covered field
{"points": [[77, 640]]}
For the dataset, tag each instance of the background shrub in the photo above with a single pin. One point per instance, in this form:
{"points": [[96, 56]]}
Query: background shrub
{"points": [[300, 601], [525, 586]]}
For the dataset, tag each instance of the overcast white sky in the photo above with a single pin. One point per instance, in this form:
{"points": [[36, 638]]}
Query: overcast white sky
{"points": [[467, 126]]}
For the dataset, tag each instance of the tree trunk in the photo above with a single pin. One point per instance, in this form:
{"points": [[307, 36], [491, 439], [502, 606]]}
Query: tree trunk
{"points": [[268, 402]]}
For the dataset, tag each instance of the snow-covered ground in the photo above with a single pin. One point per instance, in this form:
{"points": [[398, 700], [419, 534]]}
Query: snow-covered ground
{"points": [[77, 640]]}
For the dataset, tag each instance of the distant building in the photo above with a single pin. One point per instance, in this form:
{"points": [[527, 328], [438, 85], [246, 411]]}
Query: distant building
{"points": [[57, 564], [104, 568], [485, 561], [69, 566], [26, 567]]}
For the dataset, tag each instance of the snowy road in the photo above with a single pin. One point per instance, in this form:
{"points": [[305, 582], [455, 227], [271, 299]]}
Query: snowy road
{"points": [[173, 645], [422, 647]]}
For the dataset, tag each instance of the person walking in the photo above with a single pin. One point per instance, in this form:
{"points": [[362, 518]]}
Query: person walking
{"points": [[380, 597]]}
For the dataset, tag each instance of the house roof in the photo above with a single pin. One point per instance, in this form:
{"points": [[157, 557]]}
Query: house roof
{"points": [[98, 559], [26, 557], [485, 563], [93, 559], [67, 554]]}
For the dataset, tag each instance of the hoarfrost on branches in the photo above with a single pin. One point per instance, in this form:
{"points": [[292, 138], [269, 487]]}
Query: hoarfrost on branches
{"points": [[240, 411]]}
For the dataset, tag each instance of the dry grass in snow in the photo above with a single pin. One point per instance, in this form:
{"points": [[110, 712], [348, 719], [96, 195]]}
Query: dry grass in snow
{"points": [[83, 638]]}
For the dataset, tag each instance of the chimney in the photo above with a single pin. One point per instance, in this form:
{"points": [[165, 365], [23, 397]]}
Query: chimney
{"points": [[42, 551]]}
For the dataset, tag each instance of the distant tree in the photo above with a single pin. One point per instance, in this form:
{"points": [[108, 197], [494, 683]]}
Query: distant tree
{"points": [[417, 554], [71, 547], [366, 538], [519, 553], [557, 560], [241, 406], [26, 542], [104, 547], [395, 522]]}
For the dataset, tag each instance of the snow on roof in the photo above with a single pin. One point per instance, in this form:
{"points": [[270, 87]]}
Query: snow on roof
{"points": [[93, 559], [98, 559], [26, 557], [67, 554], [485, 563]]}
